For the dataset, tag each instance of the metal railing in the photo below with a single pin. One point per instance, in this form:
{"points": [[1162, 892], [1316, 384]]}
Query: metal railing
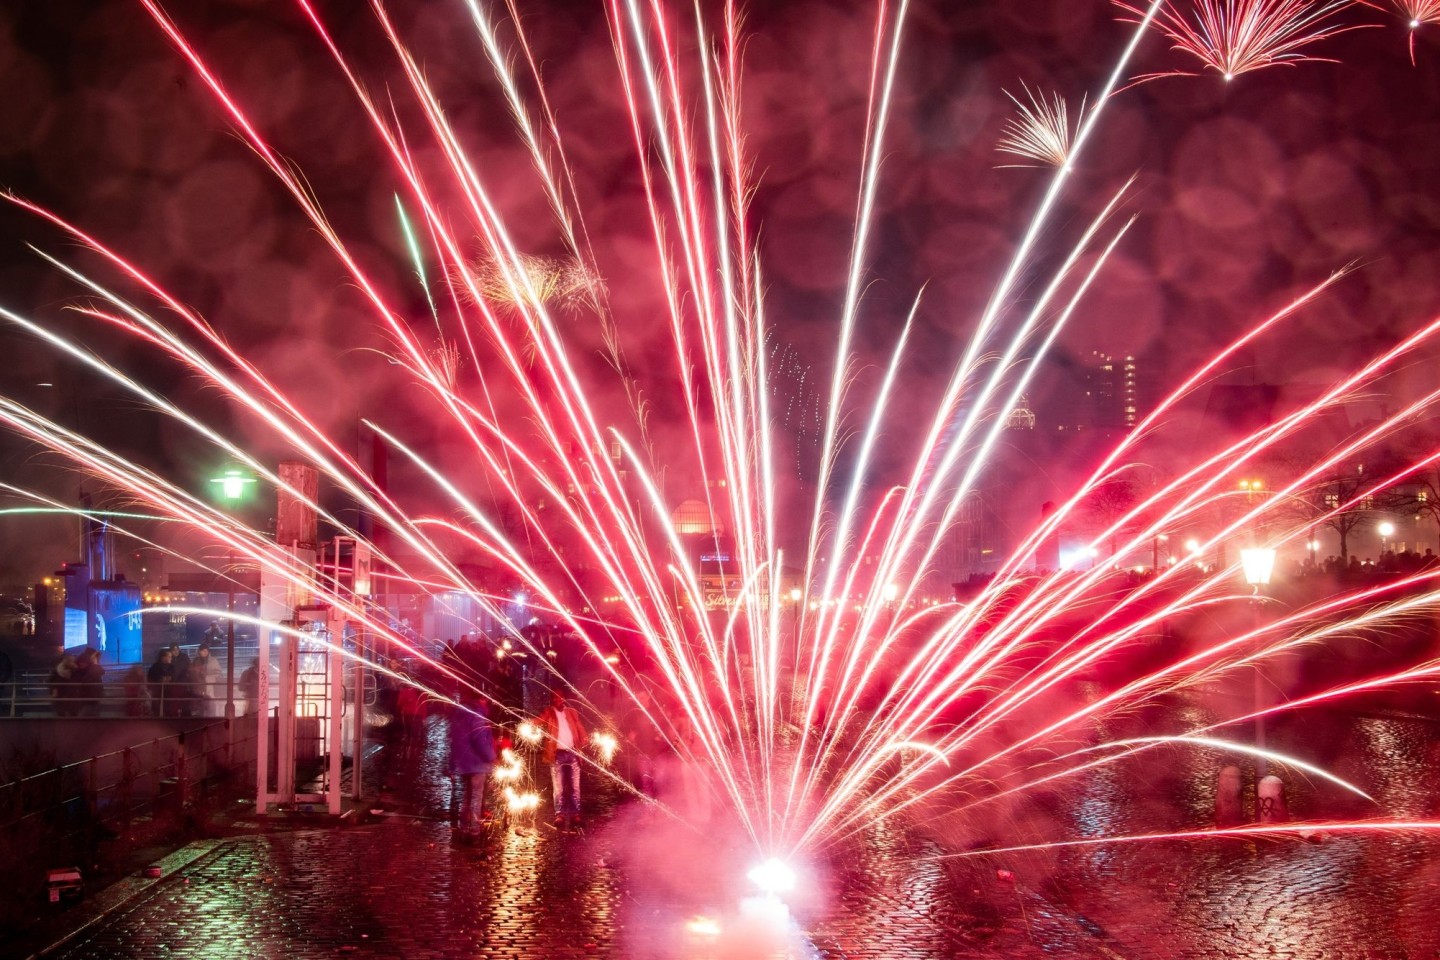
{"points": [[34, 694], [114, 788]]}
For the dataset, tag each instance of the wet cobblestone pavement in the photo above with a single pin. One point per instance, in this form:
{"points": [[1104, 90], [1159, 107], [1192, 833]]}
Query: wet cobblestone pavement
{"points": [[396, 885]]}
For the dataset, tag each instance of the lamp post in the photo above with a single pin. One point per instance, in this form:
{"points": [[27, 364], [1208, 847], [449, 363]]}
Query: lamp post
{"points": [[1258, 563], [233, 485], [1386, 530]]}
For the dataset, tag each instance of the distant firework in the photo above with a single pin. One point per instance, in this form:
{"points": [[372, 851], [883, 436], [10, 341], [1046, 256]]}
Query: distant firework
{"points": [[1043, 131], [1416, 13], [1233, 37]]}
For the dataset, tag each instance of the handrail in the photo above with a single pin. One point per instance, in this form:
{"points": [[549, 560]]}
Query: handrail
{"points": [[172, 763], [106, 756], [33, 693]]}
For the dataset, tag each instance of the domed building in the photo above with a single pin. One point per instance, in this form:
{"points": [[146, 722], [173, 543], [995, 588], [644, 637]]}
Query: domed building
{"points": [[694, 519]]}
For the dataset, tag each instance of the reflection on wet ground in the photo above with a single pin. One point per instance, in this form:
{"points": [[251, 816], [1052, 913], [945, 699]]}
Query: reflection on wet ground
{"points": [[638, 884]]}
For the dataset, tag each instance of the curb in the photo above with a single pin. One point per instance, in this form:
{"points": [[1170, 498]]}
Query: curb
{"points": [[94, 910]]}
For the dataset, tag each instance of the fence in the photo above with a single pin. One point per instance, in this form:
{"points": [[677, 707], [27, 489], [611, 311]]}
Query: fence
{"points": [[109, 790], [58, 817], [32, 694]]}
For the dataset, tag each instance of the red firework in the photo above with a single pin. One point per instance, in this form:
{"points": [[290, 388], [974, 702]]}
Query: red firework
{"points": [[1233, 37], [1417, 13]]}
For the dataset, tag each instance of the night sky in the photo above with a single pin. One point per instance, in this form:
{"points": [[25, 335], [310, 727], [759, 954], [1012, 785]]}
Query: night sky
{"points": [[1246, 192]]}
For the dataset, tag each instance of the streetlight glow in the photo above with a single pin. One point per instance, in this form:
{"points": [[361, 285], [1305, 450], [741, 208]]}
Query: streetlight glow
{"points": [[1257, 563], [233, 484]]}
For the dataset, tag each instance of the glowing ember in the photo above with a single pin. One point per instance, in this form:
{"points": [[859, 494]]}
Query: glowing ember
{"points": [[703, 927], [773, 877]]}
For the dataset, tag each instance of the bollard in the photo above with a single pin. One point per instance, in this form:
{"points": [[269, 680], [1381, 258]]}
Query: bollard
{"points": [[1270, 801], [1228, 812]]}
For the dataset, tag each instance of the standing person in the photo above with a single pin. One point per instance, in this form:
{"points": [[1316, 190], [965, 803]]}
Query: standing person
{"points": [[564, 736], [387, 693], [160, 675], [645, 744], [137, 701], [89, 682], [205, 681], [62, 686], [250, 686], [472, 757], [411, 705], [181, 690]]}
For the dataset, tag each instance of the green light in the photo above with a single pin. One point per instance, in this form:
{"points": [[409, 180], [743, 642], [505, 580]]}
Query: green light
{"points": [[232, 484]]}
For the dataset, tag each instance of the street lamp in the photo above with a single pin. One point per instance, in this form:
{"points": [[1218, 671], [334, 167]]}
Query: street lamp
{"points": [[233, 485], [1387, 530], [1258, 563]]}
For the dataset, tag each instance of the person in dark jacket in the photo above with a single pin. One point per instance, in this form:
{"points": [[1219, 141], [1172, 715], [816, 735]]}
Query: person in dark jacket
{"points": [[89, 682], [63, 688], [181, 694], [137, 699], [472, 757], [161, 672]]}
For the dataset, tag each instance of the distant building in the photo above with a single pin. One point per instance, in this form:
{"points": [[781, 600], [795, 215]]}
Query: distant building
{"points": [[1114, 391], [1022, 417], [1095, 392]]}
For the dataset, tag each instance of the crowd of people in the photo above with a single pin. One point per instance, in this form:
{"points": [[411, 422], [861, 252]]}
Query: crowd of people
{"points": [[77, 684], [1390, 563], [179, 685], [174, 685], [492, 696]]}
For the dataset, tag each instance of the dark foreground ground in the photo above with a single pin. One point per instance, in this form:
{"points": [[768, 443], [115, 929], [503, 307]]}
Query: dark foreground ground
{"points": [[392, 882]]}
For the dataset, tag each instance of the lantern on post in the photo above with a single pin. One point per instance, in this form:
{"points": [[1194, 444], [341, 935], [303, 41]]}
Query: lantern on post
{"points": [[233, 485]]}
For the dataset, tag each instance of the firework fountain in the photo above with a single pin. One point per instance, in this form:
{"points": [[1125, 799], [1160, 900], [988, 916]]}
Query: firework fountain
{"points": [[817, 686]]}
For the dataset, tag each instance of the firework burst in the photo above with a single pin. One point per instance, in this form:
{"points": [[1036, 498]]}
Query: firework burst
{"points": [[1043, 131], [1233, 37], [1415, 13], [534, 281], [804, 669]]}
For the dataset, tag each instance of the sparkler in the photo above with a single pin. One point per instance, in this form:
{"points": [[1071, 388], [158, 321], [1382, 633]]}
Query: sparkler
{"points": [[605, 745], [520, 803], [853, 701], [511, 767]]}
